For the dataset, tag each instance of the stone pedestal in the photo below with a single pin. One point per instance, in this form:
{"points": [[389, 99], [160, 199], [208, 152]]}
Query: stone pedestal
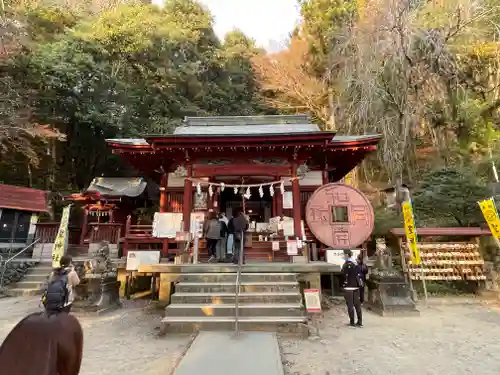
{"points": [[389, 294], [99, 293]]}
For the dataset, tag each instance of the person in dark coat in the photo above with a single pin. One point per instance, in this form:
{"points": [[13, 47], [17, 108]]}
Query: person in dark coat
{"points": [[352, 281], [363, 271], [237, 226]]}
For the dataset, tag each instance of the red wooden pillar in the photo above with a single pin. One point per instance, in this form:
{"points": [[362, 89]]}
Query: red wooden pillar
{"points": [[84, 226], [188, 198], [163, 192], [275, 202], [297, 227], [127, 231], [324, 175]]}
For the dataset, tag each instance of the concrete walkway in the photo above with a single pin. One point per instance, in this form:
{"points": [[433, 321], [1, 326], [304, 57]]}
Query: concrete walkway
{"points": [[220, 353]]}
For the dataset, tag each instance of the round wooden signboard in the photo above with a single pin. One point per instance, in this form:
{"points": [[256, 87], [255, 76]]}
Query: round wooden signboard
{"points": [[340, 216]]}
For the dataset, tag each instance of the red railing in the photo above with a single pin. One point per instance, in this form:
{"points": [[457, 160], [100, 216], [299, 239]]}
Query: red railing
{"points": [[110, 232], [96, 233], [47, 233]]}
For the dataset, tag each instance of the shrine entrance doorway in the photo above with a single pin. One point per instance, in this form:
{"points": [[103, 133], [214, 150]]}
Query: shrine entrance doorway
{"points": [[257, 208]]}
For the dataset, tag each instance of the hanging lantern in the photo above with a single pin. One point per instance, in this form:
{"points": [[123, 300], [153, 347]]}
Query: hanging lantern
{"points": [[282, 187], [271, 190], [235, 189], [198, 189], [261, 191], [222, 186]]}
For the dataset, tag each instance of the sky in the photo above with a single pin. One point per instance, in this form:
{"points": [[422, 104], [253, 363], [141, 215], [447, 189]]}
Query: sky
{"points": [[269, 22]]}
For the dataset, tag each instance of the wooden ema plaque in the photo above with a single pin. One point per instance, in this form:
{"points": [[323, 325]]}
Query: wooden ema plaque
{"points": [[340, 216]]}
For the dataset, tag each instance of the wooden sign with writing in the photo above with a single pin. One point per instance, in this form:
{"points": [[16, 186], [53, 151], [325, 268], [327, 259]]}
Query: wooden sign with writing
{"points": [[312, 300]]}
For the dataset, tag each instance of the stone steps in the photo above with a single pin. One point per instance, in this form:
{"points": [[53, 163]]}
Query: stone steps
{"points": [[229, 310], [33, 282], [207, 301], [249, 297], [230, 287], [296, 325], [231, 277]]}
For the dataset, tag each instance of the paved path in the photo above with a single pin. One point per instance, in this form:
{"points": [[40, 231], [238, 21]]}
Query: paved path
{"points": [[220, 353]]}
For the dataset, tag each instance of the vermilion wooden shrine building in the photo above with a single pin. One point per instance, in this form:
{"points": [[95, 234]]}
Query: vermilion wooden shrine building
{"points": [[240, 150]]}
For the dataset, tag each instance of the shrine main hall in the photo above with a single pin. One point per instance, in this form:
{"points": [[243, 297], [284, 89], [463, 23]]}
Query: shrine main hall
{"points": [[269, 164]]}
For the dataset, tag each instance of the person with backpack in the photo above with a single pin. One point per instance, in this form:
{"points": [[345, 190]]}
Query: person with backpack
{"points": [[212, 236], [59, 294], [222, 243], [237, 226], [363, 271], [352, 284]]}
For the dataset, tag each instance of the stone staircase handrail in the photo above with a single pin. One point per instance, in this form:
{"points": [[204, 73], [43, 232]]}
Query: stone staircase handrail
{"points": [[238, 285], [5, 263]]}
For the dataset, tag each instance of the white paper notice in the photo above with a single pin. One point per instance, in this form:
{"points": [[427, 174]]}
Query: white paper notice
{"points": [[287, 200], [291, 247], [166, 224]]}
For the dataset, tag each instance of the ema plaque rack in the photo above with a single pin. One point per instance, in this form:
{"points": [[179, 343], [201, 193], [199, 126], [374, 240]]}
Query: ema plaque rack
{"points": [[447, 261]]}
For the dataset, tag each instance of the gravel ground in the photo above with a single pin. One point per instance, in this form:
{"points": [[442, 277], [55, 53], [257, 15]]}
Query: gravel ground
{"points": [[447, 338], [116, 343]]}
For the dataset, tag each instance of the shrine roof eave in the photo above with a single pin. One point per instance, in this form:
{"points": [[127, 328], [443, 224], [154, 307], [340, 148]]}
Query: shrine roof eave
{"points": [[240, 139], [343, 142], [328, 139], [149, 143]]}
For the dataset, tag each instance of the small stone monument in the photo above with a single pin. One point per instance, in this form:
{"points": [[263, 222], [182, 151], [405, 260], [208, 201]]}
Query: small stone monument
{"points": [[99, 289], [388, 291]]}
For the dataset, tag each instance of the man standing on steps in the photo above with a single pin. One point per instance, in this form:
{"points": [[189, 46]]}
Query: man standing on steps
{"points": [[237, 226], [352, 283]]}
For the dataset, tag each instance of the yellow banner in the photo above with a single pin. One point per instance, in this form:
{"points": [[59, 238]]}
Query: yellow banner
{"points": [[348, 179], [490, 214], [61, 241], [411, 232]]}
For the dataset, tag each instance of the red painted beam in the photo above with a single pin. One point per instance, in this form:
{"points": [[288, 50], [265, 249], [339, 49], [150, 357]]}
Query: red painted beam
{"points": [[240, 170]]}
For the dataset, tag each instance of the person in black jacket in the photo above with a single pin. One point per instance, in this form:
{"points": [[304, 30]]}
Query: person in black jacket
{"points": [[352, 282], [363, 271]]}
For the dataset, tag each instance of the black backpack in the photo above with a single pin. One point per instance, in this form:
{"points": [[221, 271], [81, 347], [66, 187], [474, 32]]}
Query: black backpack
{"points": [[223, 229], [57, 293]]}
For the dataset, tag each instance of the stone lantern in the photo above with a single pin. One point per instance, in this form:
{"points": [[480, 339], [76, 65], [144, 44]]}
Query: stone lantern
{"points": [[395, 196]]}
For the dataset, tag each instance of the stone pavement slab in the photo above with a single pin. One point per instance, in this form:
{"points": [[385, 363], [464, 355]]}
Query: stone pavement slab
{"points": [[221, 353]]}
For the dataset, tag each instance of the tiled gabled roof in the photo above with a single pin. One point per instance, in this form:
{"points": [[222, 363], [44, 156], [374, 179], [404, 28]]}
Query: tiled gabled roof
{"points": [[246, 125], [23, 199]]}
